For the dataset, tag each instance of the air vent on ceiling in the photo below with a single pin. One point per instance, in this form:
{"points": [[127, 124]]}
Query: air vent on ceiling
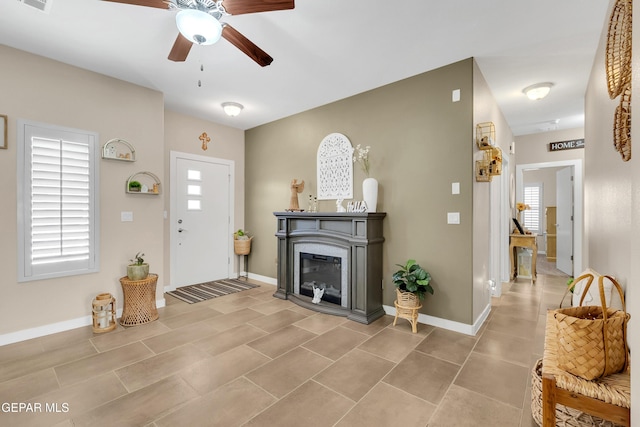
{"points": [[41, 5]]}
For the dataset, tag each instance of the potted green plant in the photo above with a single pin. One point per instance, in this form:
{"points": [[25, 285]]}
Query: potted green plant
{"points": [[412, 279], [135, 186], [138, 269]]}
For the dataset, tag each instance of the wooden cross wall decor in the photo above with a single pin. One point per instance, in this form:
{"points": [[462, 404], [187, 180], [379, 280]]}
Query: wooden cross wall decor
{"points": [[205, 140]]}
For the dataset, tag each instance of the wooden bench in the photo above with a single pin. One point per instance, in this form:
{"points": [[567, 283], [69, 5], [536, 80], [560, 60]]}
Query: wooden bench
{"points": [[608, 398]]}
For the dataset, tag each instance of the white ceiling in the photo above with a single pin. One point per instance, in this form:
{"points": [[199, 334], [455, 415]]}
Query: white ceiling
{"points": [[326, 50]]}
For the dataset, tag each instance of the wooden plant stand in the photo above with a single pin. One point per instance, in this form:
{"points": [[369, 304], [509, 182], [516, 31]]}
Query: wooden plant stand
{"points": [[406, 308]]}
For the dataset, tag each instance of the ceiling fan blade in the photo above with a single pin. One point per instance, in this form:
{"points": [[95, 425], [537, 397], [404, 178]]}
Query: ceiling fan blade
{"points": [[180, 49], [234, 37], [239, 7], [160, 4]]}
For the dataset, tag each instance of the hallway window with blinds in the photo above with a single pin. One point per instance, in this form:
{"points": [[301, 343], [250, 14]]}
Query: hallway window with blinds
{"points": [[58, 202], [533, 217]]}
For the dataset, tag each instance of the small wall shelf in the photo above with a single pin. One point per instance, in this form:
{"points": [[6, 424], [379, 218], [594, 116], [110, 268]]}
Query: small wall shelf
{"points": [[148, 181], [491, 164], [485, 135], [118, 149]]}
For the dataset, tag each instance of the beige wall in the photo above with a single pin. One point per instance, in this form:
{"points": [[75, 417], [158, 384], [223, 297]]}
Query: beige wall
{"points": [[487, 208], [420, 142], [181, 134], [46, 91], [67, 96], [612, 196], [633, 293], [534, 148]]}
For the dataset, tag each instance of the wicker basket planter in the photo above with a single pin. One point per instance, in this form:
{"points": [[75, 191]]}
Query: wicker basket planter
{"points": [[242, 247], [407, 299]]}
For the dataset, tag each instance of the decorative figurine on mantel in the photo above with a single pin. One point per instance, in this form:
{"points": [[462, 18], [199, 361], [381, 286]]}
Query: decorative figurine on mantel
{"points": [[313, 203], [296, 187]]}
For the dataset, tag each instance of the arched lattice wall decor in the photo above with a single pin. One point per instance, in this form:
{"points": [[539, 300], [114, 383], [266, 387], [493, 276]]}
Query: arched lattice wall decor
{"points": [[335, 168]]}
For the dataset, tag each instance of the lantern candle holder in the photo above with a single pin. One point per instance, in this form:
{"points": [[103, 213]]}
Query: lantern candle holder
{"points": [[104, 313]]}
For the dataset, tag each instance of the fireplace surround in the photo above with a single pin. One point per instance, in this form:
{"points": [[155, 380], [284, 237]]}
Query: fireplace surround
{"points": [[355, 238]]}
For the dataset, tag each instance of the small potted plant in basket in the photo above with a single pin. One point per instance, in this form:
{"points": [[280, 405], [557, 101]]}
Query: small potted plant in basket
{"points": [[242, 242], [135, 186], [138, 269], [412, 283]]}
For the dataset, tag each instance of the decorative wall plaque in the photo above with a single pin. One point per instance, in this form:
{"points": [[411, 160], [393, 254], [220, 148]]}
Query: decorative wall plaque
{"points": [[335, 168]]}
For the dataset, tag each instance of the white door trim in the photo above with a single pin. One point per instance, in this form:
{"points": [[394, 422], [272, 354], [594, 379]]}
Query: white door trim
{"points": [[505, 226], [578, 202], [174, 156]]}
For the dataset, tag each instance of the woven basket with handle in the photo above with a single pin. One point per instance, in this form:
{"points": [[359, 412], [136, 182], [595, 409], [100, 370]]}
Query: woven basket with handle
{"points": [[592, 340]]}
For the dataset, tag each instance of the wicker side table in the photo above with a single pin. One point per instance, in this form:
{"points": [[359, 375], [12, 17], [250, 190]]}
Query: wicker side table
{"points": [[139, 300]]}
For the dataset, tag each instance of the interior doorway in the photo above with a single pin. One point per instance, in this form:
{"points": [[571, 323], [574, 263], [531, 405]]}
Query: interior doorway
{"points": [[577, 190]]}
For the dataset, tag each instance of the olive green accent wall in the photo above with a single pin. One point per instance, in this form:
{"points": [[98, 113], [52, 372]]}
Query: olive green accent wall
{"points": [[421, 142]]}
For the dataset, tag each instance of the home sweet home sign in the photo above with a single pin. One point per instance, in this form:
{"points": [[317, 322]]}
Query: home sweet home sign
{"points": [[566, 145]]}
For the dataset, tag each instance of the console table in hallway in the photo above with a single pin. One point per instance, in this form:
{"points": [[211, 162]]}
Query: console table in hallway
{"points": [[523, 241]]}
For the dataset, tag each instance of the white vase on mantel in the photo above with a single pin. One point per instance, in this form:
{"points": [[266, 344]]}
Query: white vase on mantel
{"points": [[370, 193]]}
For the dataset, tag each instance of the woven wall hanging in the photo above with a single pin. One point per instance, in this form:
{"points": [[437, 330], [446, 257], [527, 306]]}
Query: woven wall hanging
{"points": [[622, 125], [618, 53]]}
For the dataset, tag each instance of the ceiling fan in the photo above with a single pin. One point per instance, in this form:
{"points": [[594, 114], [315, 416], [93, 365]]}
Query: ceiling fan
{"points": [[199, 22]]}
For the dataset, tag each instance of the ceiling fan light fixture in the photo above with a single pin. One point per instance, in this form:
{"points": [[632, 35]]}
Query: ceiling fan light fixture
{"points": [[538, 90], [198, 26], [232, 109]]}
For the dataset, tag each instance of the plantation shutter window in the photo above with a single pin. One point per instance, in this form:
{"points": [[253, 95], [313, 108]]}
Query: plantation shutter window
{"points": [[58, 229], [533, 198]]}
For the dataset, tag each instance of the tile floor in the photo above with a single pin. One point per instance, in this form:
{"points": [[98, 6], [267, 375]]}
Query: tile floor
{"points": [[253, 360]]}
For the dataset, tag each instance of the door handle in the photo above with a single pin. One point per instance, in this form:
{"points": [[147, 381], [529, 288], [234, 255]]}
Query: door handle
{"points": [[180, 230]]}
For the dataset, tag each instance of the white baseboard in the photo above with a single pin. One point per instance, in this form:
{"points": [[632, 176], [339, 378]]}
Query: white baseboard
{"points": [[53, 328], [265, 279], [450, 325], [422, 318]]}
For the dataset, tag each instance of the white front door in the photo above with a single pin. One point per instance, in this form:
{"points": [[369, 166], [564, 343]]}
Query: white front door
{"points": [[201, 228], [564, 220]]}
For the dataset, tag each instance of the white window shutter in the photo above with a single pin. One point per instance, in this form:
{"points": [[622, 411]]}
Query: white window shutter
{"points": [[59, 202], [533, 198]]}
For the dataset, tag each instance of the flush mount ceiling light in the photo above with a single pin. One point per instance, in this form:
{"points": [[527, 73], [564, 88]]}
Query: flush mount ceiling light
{"points": [[232, 108], [198, 26], [537, 91]]}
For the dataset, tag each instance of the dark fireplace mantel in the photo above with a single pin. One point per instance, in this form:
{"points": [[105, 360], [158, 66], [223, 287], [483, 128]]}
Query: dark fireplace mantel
{"points": [[358, 235]]}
